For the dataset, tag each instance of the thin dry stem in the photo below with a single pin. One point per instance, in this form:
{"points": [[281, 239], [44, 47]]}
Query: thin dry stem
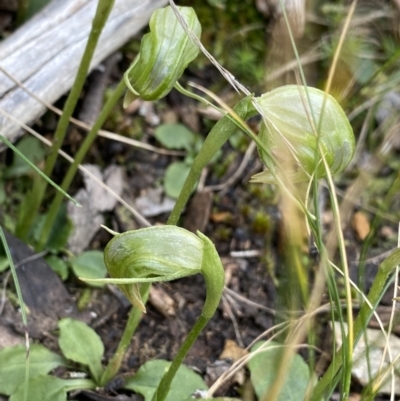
{"points": [[88, 127], [390, 327], [243, 299], [141, 220], [228, 309]]}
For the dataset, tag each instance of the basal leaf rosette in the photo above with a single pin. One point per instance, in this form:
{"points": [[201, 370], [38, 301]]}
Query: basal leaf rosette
{"points": [[298, 125], [164, 54]]}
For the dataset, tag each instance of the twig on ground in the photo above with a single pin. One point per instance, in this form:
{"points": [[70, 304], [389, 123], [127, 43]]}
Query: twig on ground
{"points": [[223, 187], [243, 299], [88, 127], [141, 220], [249, 253], [228, 309]]}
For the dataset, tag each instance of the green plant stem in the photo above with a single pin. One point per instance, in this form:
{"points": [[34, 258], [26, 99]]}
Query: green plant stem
{"points": [[133, 320], [220, 133], [22, 306], [84, 148], [213, 274], [350, 343], [30, 206], [165, 383], [41, 174], [386, 268], [15, 277], [385, 205]]}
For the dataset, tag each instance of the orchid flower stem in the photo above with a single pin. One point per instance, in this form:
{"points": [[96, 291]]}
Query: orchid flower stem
{"points": [[147, 255], [84, 148], [213, 274], [220, 133], [33, 201], [133, 320], [165, 383]]}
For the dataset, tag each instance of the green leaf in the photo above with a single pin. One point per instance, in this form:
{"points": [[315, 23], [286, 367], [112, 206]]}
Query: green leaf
{"points": [[59, 233], [146, 380], [217, 3], [236, 139], [12, 365], [3, 194], [175, 136], [33, 150], [38, 171], [263, 369], [90, 264], [175, 177], [164, 54], [9, 223], [35, 6], [61, 230], [4, 263], [81, 344], [42, 388], [58, 265]]}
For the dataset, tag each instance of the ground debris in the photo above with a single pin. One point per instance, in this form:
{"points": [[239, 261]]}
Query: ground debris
{"points": [[152, 203], [360, 224], [94, 200], [370, 360], [162, 301], [43, 293]]}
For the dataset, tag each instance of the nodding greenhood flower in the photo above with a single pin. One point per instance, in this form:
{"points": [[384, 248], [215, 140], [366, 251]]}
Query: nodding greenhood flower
{"points": [[164, 54], [161, 253], [300, 124], [164, 253]]}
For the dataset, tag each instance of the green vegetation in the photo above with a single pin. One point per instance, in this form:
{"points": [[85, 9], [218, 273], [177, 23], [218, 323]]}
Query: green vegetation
{"points": [[303, 138]]}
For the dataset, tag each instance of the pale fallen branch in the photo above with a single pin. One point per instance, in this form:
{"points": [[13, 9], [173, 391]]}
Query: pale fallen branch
{"points": [[44, 53]]}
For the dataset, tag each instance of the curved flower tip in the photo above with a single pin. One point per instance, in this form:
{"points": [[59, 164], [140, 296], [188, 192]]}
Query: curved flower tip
{"points": [[164, 54], [152, 254], [300, 123]]}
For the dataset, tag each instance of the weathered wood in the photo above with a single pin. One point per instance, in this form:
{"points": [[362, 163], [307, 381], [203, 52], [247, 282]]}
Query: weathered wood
{"points": [[44, 53]]}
